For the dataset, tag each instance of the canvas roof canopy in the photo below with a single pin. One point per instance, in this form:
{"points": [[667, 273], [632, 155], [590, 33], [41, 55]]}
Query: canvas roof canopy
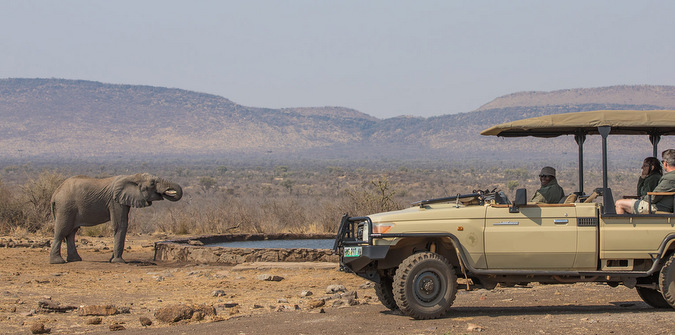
{"points": [[654, 123], [626, 122]]}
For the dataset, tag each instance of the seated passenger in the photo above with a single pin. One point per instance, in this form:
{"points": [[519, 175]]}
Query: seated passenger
{"points": [[659, 203], [651, 174], [550, 192]]}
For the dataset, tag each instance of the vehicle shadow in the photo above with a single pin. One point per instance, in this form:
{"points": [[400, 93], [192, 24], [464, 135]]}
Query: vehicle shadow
{"points": [[622, 307]]}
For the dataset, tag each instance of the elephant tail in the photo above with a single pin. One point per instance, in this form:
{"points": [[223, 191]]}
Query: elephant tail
{"points": [[52, 206]]}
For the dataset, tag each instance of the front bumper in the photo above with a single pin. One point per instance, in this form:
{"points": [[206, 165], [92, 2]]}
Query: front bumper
{"points": [[362, 253]]}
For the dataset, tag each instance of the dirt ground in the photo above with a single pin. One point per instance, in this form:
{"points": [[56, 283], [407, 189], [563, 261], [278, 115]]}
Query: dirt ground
{"points": [[246, 304]]}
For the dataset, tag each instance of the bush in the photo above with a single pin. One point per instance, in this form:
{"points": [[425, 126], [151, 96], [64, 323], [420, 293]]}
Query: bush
{"points": [[30, 209], [11, 213], [36, 197]]}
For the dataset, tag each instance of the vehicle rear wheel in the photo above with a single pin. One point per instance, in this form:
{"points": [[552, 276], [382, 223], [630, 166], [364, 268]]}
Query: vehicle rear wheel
{"points": [[384, 292], [652, 297], [424, 286], [667, 281]]}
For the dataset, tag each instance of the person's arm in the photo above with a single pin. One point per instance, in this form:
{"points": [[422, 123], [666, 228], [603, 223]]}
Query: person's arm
{"points": [[538, 198], [640, 191]]}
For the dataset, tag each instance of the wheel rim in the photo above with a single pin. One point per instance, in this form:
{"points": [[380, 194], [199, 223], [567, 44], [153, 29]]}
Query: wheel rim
{"points": [[428, 288]]}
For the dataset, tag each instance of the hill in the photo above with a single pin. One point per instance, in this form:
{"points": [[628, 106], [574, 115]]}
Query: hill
{"points": [[76, 119]]}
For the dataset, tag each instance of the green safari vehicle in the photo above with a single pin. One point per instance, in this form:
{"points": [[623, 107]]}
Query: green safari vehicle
{"points": [[416, 255]]}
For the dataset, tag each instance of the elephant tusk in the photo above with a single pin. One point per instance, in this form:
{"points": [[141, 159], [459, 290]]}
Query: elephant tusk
{"points": [[171, 193]]}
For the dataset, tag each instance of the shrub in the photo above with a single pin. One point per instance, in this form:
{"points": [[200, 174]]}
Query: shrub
{"points": [[36, 197]]}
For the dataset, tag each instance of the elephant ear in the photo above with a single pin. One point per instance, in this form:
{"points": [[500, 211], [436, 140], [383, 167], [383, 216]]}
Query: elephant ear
{"points": [[127, 191]]}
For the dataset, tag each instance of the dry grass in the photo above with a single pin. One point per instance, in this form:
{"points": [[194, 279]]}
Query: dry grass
{"points": [[219, 200]]}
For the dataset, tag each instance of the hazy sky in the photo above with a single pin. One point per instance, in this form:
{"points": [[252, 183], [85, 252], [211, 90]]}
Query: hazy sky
{"points": [[383, 58]]}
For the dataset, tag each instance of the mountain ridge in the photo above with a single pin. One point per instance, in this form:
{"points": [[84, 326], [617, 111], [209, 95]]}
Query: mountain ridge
{"points": [[78, 118]]}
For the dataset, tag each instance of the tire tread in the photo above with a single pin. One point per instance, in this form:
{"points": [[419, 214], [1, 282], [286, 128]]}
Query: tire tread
{"points": [[401, 277]]}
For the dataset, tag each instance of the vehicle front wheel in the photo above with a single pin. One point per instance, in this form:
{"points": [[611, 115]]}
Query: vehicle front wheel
{"points": [[384, 292], [667, 281], [424, 286], [652, 297]]}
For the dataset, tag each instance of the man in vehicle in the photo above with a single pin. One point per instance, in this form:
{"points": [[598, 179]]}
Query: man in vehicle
{"points": [[550, 192], [659, 202]]}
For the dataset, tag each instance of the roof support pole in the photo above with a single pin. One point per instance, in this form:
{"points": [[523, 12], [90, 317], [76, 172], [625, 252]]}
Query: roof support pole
{"points": [[580, 138], [608, 199], [655, 139]]}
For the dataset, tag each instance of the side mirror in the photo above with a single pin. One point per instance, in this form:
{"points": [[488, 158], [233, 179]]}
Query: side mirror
{"points": [[521, 200]]}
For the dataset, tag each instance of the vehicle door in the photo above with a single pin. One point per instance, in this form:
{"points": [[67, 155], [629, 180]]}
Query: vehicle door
{"points": [[538, 236]]}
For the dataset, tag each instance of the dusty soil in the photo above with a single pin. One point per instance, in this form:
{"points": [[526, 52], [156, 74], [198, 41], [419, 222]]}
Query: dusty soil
{"points": [[268, 307]]}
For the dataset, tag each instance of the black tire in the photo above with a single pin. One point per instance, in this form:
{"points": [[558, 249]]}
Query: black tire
{"points": [[652, 297], [424, 286], [384, 292], [667, 281]]}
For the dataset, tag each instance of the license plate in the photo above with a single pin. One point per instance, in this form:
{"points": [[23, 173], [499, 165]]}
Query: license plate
{"points": [[353, 251]]}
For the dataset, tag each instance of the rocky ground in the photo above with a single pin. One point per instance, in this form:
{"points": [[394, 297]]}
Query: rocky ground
{"points": [[147, 297]]}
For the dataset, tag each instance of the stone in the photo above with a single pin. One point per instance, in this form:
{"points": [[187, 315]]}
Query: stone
{"points": [[207, 310], [116, 327], [282, 308], [97, 310], [335, 289], [366, 285], [312, 304], [282, 301], [197, 316], [348, 295], [174, 313], [218, 293], [145, 321], [267, 277], [52, 306], [39, 328], [95, 321], [230, 304], [306, 293], [474, 328]]}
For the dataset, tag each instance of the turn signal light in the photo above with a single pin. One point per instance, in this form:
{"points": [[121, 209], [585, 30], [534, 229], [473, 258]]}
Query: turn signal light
{"points": [[381, 228]]}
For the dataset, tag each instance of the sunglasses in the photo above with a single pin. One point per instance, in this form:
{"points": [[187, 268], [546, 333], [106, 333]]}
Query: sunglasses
{"points": [[545, 176]]}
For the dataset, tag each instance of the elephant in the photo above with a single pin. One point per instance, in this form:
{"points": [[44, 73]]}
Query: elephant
{"points": [[85, 201]]}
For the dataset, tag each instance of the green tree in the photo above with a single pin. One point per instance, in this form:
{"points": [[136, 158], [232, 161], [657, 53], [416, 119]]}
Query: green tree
{"points": [[207, 183]]}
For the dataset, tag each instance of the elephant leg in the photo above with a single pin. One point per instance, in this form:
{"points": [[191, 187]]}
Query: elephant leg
{"points": [[55, 253], [61, 225], [73, 256], [120, 220]]}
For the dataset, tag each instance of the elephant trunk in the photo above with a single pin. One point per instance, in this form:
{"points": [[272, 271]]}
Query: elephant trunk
{"points": [[170, 191]]}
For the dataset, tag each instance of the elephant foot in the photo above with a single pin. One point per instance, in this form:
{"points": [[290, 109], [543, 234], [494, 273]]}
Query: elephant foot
{"points": [[56, 260], [75, 258], [117, 260]]}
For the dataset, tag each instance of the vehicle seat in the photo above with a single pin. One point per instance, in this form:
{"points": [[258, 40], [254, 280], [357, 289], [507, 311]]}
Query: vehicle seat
{"points": [[666, 194], [591, 197], [570, 199]]}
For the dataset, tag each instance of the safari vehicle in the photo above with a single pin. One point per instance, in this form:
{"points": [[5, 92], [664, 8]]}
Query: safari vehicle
{"points": [[416, 255]]}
